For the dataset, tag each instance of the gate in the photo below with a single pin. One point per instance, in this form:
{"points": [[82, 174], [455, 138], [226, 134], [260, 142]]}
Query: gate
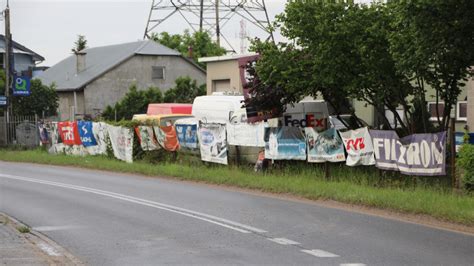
{"points": [[19, 130]]}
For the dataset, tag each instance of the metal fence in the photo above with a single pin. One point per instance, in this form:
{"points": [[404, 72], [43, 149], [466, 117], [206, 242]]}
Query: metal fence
{"points": [[19, 130]]}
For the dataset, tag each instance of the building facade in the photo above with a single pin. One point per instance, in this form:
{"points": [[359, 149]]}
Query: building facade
{"points": [[97, 77]]}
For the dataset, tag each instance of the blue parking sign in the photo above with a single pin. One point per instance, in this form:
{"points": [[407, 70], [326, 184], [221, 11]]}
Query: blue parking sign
{"points": [[21, 86]]}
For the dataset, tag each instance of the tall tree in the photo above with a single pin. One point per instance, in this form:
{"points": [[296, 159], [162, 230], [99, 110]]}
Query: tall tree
{"points": [[199, 44], [184, 91], [433, 43], [80, 44], [134, 102]]}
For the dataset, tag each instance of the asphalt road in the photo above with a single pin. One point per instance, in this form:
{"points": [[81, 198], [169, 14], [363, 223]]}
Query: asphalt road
{"points": [[107, 218]]}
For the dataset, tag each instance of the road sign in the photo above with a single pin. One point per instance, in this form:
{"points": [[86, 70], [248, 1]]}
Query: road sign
{"points": [[3, 100], [21, 86]]}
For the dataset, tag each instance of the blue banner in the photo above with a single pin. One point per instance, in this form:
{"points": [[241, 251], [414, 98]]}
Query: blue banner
{"points": [[285, 143], [21, 86], [86, 134], [187, 136]]}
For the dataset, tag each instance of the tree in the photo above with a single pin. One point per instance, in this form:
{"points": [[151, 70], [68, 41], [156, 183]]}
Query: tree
{"points": [[134, 102], [200, 42], [433, 43], [184, 91], [42, 101], [80, 44]]}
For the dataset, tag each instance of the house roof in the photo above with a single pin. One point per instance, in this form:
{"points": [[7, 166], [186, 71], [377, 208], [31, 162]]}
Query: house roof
{"points": [[19, 49], [100, 60], [224, 58]]}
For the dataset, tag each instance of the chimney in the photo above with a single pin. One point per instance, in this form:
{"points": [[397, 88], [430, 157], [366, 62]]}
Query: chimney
{"points": [[80, 61]]}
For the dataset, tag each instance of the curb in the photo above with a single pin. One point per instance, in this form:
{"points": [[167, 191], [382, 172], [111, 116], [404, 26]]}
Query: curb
{"points": [[53, 253]]}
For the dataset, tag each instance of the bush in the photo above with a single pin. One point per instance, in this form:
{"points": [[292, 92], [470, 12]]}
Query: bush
{"points": [[466, 162]]}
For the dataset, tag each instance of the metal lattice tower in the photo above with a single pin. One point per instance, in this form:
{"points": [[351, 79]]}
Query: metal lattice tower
{"points": [[208, 15]]}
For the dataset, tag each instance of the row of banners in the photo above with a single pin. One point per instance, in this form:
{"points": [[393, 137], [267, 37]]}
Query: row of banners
{"points": [[418, 154]]}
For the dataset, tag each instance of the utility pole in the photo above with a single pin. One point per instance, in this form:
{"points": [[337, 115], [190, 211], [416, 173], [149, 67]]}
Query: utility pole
{"points": [[218, 30], [7, 64]]}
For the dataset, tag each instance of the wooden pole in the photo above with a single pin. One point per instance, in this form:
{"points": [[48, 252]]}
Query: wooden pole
{"points": [[453, 153]]}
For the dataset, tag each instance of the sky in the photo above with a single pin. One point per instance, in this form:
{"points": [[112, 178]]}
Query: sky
{"points": [[50, 27]]}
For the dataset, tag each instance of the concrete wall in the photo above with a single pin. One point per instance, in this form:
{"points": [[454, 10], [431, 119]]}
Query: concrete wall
{"points": [[66, 101], [470, 104], [222, 70], [113, 85]]}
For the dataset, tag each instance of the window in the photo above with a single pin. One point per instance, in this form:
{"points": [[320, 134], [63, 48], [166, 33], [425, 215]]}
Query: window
{"points": [[461, 111], [158, 72], [432, 110], [221, 85]]}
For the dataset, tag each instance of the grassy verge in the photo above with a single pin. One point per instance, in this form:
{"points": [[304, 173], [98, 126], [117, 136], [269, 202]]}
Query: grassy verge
{"points": [[308, 183]]}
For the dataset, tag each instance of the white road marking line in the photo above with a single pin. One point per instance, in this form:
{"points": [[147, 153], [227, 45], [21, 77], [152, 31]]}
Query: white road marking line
{"points": [[49, 250], [320, 253], [352, 264], [284, 241], [55, 228], [242, 228]]}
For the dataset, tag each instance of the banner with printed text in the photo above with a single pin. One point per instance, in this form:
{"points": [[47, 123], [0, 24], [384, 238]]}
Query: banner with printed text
{"points": [[358, 146], [187, 136], [324, 146], [250, 135], [86, 134], [146, 138], [69, 133], [417, 154], [121, 139], [285, 143], [213, 143]]}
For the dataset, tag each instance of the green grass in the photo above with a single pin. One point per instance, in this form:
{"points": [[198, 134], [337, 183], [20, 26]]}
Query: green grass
{"points": [[359, 186]]}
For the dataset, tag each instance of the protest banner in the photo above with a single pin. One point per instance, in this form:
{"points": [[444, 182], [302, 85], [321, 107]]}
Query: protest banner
{"points": [[213, 143], [166, 136], [121, 139], [285, 143], [324, 146], [358, 146], [417, 154]]}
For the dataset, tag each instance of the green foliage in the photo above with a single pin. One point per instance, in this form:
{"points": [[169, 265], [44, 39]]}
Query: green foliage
{"points": [[43, 99], [134, 102], [184, 91], [200, 42], [80, 44], [432, 42], [466, 162]]}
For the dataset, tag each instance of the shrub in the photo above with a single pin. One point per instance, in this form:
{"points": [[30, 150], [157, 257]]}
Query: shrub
{"points": [[466, 162]]}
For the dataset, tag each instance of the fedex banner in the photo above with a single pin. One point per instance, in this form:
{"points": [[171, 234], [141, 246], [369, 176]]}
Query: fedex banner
{"points": [[417, 154], [358, 146]]}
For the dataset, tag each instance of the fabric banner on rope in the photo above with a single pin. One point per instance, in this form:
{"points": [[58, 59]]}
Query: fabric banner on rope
{"points": [[324, 146], [69, 133], [213, 143], [358, 146], [243, 134], [166, 136], [86, 134], [44, 133], [187, 136], [146, 138], [417, 154], [121, 139], [99, 130], [285, 143]]}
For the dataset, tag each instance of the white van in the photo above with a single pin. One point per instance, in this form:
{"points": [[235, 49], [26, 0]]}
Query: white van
{"points": [[219, 109]]}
